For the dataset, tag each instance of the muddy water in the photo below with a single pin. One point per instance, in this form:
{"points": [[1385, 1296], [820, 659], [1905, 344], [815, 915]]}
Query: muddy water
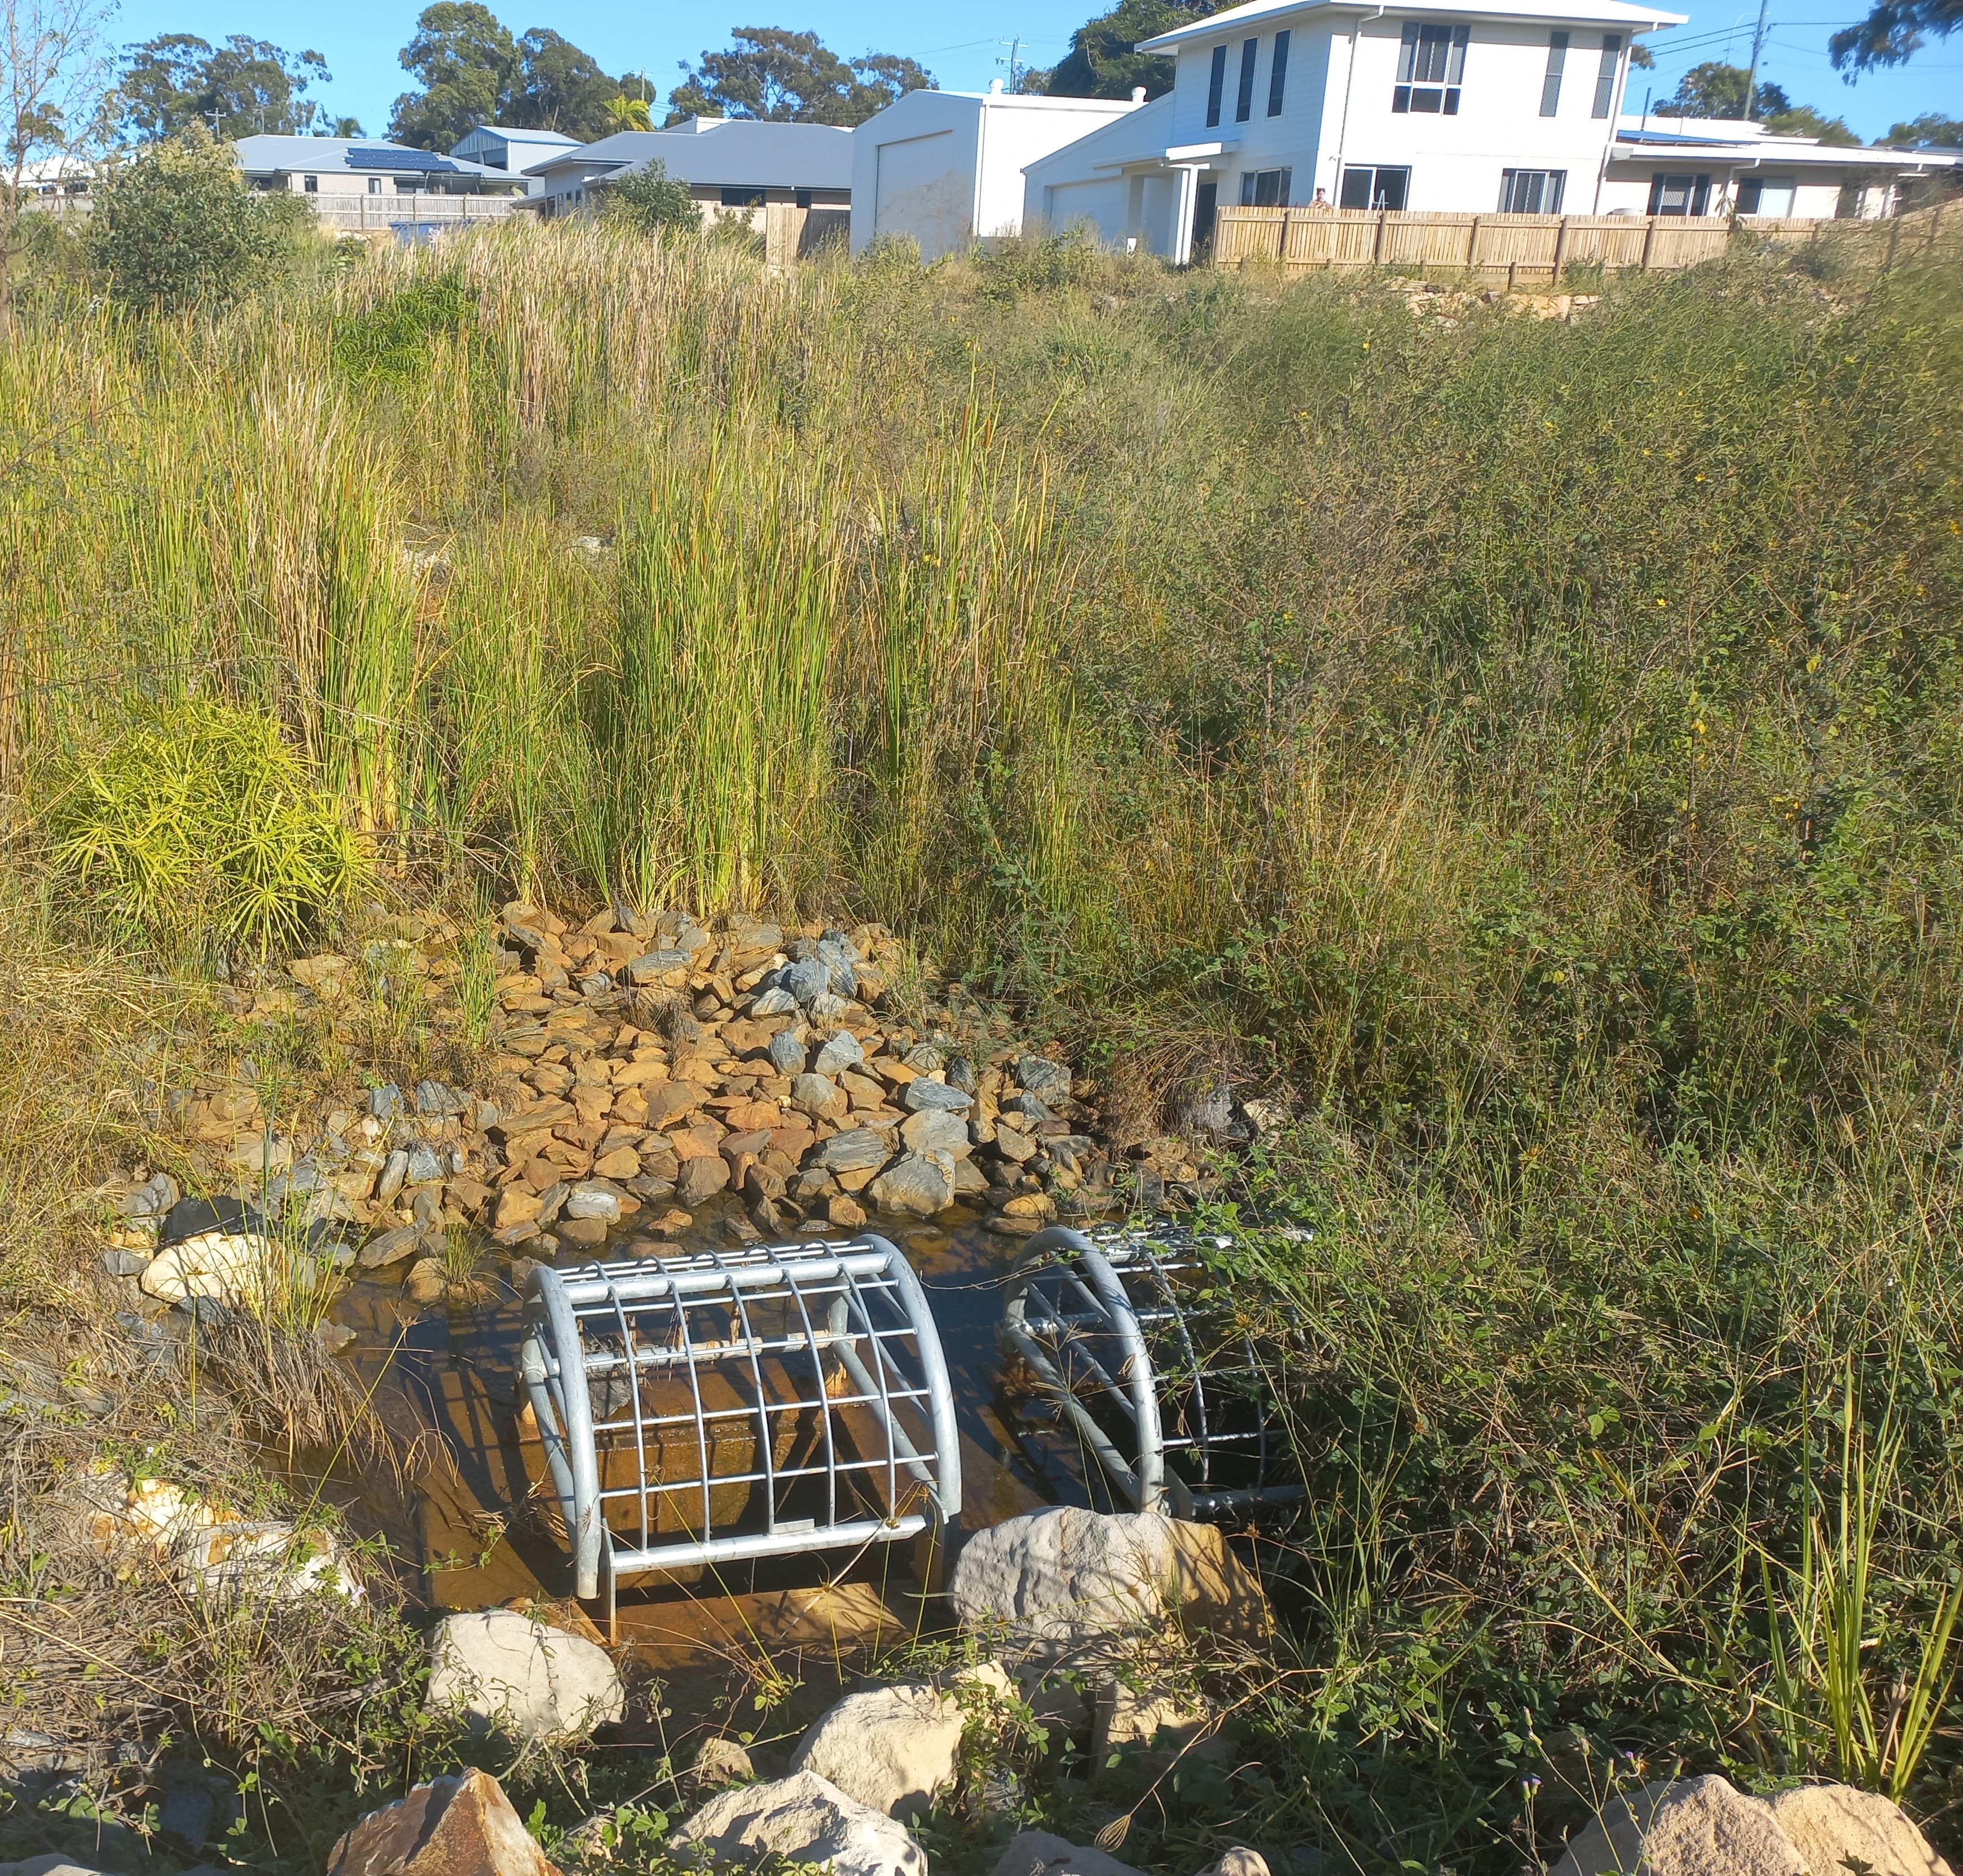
{"points": [[459, 1520]]}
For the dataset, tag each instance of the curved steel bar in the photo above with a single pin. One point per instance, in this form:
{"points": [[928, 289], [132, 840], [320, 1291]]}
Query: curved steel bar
{"points": [[576, 1471]]}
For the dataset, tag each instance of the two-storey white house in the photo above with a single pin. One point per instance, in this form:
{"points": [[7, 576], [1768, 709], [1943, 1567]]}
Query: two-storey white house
{"points": [[1450, 105]]}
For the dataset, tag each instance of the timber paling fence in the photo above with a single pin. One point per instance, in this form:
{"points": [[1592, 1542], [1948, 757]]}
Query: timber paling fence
{"points": [[1527, 249]]}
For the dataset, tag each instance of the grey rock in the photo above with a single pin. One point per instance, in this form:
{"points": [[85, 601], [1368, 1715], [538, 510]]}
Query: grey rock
{"points": [[843, 981], [437, 1099], [920, 1095], [394, 1170], [854, 1151], [501, 1671], [786, 1053], [124, 1263], [426, 1207], [961, 1075], [932, 1131], [802, 1819], [656, 963], [1038, 1076], [592, 1202], [814, 1095], [842, 1052], [390, 1248], [155, 1197], [204, 1312], [1206, 1107], [925, 1058], [825, 1008], [805, 979], [595, 983], [922, 1182], [755, 934], [774, 1001], [386, 1103], [424, 1166], [186, 1813]]}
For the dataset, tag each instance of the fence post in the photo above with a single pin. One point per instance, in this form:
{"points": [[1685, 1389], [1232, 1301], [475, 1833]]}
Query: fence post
{"points": [[1649, 234], [1472, 245], [1560, 248], [1894, 235], [1377, 244]]}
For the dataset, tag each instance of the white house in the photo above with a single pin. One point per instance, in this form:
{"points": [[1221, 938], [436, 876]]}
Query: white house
{"points": [[1452, 105], [514, 152], [731, 165], [328, 168], [945, 168], [1723, 166]]}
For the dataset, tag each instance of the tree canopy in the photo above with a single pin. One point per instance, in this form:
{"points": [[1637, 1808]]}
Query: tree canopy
{"points": [[1715, 89], [784, 77], [1101, 62], [176, 223], [473, 71], [1894, 32], [239, 88], [1931, 131]]}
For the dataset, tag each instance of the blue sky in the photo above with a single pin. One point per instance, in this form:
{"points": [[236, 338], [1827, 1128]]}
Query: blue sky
{"points": [[963, 43]]}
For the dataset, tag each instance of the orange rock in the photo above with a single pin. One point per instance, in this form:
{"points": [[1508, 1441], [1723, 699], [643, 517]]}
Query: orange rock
{"points": [[460, 1827]]}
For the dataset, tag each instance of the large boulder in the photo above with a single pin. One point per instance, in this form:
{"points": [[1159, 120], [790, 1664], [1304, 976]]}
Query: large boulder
{"points": [[894, 1747], [1836, 1828], [1042, 1853], [457, 1826], [1057, 1579], [504, 1671], [802, 1819], [1683, 1827]]}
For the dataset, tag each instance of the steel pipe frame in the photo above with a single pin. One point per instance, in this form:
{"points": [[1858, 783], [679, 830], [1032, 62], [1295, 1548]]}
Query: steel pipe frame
{"points": [[1147, 1480], [863, 1271]]}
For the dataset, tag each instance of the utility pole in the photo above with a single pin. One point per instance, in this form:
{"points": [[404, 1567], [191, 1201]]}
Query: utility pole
{"points": [[1015, 46], [1751, 76]]}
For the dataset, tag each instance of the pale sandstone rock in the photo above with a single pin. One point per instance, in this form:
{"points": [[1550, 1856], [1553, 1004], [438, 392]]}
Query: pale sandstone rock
{"points": [[1042, 1853], [894, 1747], [1683, 1827], [501, 1669], [804, 1819], [1830, 1824]]}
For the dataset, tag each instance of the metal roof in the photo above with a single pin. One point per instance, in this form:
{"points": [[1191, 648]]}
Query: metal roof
{"points": [[1770, 152], [1582, 12], [264, 156], [728, 152]]}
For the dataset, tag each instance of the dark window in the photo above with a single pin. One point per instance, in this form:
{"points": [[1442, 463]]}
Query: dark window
{"points": [[311, 185], [1375, 188], [803, 198], [1605, 78], [1277, 75], [1243, 98], [374, 185], [1532, 191], [1205, 203], [1765, 195], [1265, 188], [1431, 65], [1216, 84], [1678, 195], [742, 198], [1550, 86]]}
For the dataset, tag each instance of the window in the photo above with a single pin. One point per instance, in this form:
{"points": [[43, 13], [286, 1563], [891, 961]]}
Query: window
{"points": [[1678, 195], [742, 198], [1532, 191], [1216, 84], [1430, 64], [1265, 188], [311, 185], [1243, 98], [1765, 195], [1277, 75], [374, 185], [1550, 86], [1605, 77], [803, 198], [1375, 188]]}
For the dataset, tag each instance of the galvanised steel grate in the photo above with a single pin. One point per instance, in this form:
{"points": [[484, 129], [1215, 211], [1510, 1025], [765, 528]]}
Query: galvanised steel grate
{"points": [[711, 1406], [1161, 1382]]}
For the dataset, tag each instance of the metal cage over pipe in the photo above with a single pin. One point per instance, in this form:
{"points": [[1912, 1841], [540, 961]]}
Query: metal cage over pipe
{"points": [[711, 1407], [1123, 1331]]}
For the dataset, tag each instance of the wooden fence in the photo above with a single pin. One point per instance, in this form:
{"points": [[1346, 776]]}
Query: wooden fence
{"points": [[1535, 249]]}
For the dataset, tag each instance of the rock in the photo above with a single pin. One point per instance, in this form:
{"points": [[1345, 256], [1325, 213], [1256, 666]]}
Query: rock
{"points": [[392, 1247], [1836, 1828], [1237, 1861], [504, 1671], [656, 964], [1030, 1208], [1014, 1144], [774, 1001], [1041, 1853], [802, 1819], [720, 1760], [814, 1095], [1266, 1118], [961, 1075], [437, 1099], [923, 1094], [1206, 1107], [934, 1131], [153, 1198], [424, 1166], [922, 1182], [592, 1202], [1047, 1081], [228, 1267], [1683, 1827], [925, 1058], [52, 1864], [804, 980], [845, 1212], [893, 1747], [859, 1149], [124, 1263], [1057, 1578], [701, 1177], [428, 1281], [786, 1053], [385, 1103], [394, 1170], [457, 1826], [1151, 1725], [842, 1052]]}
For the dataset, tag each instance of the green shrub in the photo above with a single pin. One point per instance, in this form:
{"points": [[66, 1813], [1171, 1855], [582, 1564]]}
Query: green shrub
{"points": [[198, 825], [176, 225], [392, 340], [648, 199]]}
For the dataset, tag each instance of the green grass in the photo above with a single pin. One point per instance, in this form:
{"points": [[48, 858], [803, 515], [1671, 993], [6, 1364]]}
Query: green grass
{"points": [[1531, 748]]}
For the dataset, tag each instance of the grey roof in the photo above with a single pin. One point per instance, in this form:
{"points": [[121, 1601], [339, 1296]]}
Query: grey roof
{"points": [[480, 136], [729, 152], [266, 155]]}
